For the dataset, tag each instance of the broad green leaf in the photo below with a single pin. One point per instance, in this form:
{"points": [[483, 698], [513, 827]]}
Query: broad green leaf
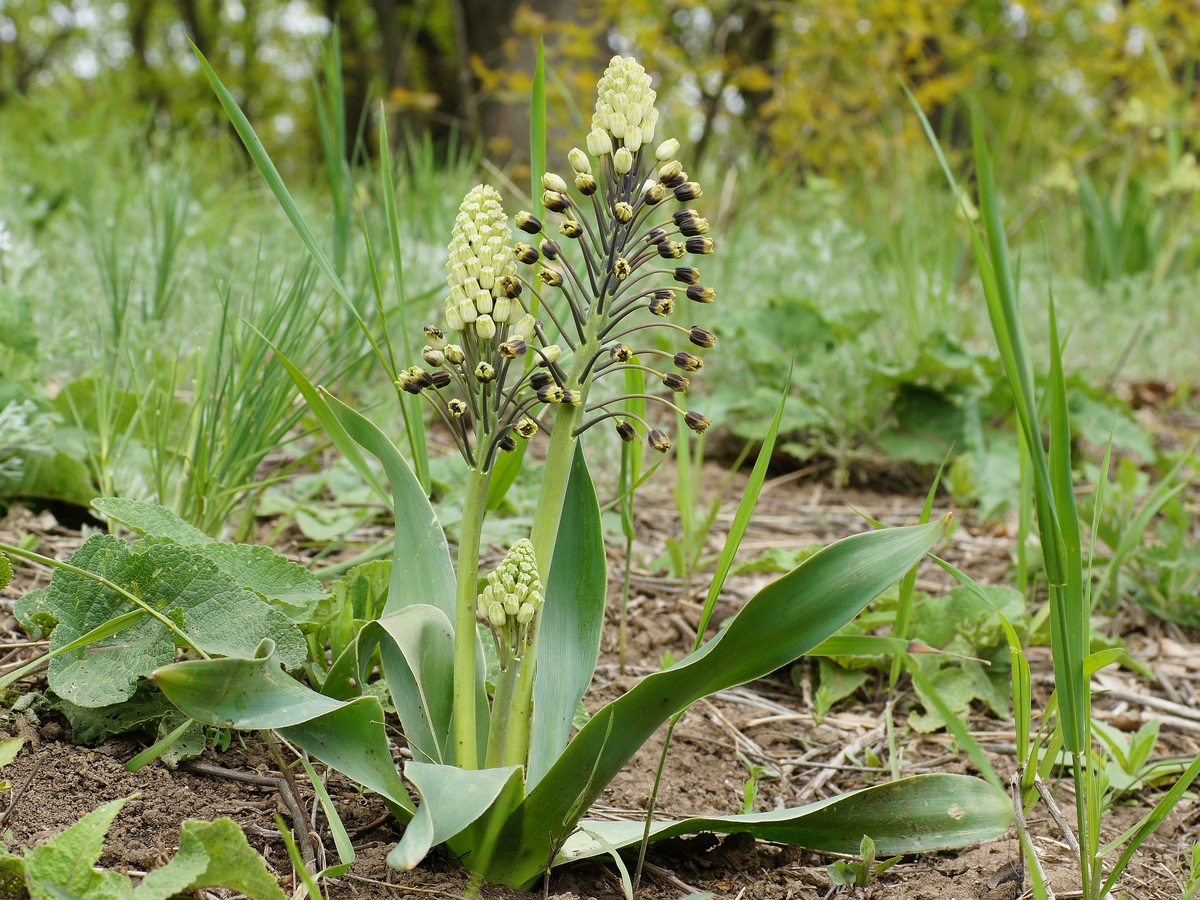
{"points": [[452, 800], [216, 614], [572, 618], [150, 520], [211, 854], [6, 572], [256, 568], [780, 623], [911, 815], [417, 650], [64, 866], [421, 568], [9, 748], [255, 693]]}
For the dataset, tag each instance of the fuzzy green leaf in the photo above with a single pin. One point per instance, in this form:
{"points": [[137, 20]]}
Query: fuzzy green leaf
{"points": [[211, 854], [216, 614], [259, 569], [64, 866], [6, 572]]}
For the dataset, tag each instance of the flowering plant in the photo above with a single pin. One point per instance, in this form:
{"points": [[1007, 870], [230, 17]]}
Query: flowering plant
{"points": [[523, 353]]}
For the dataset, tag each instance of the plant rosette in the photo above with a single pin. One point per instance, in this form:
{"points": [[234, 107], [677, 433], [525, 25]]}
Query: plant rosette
{"points": [[498, 776]]}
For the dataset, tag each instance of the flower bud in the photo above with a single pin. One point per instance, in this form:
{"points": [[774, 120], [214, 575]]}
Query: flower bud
{"points": [[599, 143], [550, 354], [585, 184], [702, 337], [440, 379], [484, 372], [688, 191], [694, 225], [700, 246], [667, 150], [701, 293], [528, 222], [485, 327], [658, 440], [621, 268], [555, 201], [570, 228], [672, 173], [621, 353], [662, 303], [539, 380], [505, 311], [525, 254], [526, 427], [525, 613], [656, 193], [496, 614], [633, 138], [420, 376], [671, 250], [524, 328], [457, 408], [435, 336], [552, 182], [627, 432], [676, 382], [513, 348], [510, 287], [467, 312], [580, 164], [453, 320], [623, 160], [572, 397], [506, 443], [406, 383], [434, 357], [454, 354], [549, 249], [550, 277], [623, 212], [686, 274], [656, 235], [696, 422], [688, 362], [551, 393]]}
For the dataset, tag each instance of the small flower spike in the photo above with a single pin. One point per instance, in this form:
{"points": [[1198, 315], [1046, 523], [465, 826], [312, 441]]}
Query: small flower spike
{"points": [[510, 600]]}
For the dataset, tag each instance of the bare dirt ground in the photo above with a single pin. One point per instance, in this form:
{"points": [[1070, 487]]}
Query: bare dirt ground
{"points": [[769, 722]]}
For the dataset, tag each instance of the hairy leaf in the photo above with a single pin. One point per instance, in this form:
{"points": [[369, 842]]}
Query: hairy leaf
{"points": [[216, 614], [259, 569]]}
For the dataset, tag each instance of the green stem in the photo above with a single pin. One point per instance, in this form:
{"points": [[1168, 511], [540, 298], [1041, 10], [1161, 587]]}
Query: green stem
{"points": [[502, 724], [465, 640]]}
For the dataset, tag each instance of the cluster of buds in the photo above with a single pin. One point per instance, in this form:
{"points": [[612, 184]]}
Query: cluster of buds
{"points": [[633, 254], [510, 600], [633, 259], [487, 328]]}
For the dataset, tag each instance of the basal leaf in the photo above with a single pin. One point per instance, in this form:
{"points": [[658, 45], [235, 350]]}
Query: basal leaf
{"points": [[572, 618], [777, 625], [149, 520], [217, 615], [254, 692], [421, 568], [910, 815], [452, 800]]}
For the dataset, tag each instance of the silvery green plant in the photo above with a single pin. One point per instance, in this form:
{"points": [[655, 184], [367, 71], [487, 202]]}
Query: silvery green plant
{"points": [[529, 338]]}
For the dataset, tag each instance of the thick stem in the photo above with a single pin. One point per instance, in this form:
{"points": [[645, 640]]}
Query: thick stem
{"points": [[474, 506], [498, 733]]}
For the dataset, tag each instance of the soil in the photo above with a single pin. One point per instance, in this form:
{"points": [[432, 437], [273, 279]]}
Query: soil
{"points": [[769, 723]]}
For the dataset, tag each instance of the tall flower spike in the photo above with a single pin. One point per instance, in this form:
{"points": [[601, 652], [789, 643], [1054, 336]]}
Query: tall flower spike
{"points": [[624, 106], [480, 259]]}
